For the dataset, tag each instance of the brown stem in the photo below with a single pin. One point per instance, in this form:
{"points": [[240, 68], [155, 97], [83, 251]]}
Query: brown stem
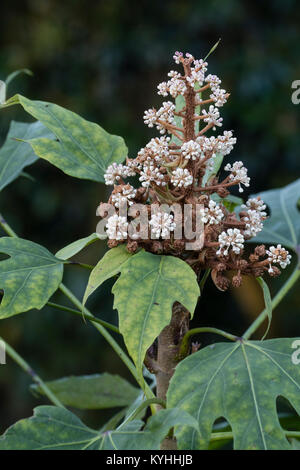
{"points": [[168, 347]]}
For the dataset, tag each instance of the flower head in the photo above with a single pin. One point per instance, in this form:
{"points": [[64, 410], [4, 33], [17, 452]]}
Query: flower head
{"points": [[233, 239], [162, 224]]}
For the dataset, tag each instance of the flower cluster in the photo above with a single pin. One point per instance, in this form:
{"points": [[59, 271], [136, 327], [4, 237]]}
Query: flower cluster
{"points": [[181, 166]]}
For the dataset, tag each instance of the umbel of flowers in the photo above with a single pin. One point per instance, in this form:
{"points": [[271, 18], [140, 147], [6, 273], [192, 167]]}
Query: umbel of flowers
{"points": [[173, 168]]}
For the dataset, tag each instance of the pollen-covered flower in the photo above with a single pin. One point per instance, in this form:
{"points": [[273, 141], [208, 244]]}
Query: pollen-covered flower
{"points": [[191, 150], [233, 239], [212, 116], [162, 224], [211, 215], [238, 174], [116, 171], [181, 178], [278, 255], [123, 194], [116, 227]]}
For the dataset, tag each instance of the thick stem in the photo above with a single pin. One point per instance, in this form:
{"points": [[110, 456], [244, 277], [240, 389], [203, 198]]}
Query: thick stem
{"points": [[168, 347]]}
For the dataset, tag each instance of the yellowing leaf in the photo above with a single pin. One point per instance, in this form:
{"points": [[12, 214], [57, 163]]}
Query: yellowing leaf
{"points": [[144, 295], [29, 277], [82, 148]]}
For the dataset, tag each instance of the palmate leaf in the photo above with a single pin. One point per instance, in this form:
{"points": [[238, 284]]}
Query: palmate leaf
{"points": [[82, 148], [92, 392], [283, 225], [29, 277], [239, 382], [53, 428], [144, 295], [16, 155]]}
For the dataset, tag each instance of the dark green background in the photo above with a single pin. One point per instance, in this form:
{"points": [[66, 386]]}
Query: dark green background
{"points": [[103, 60]]}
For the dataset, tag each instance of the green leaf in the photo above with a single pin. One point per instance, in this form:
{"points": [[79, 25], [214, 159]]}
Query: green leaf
{"points": [[53, 428], [92, 392], [107, 267], [74, 247], [268, 302], [15, 154], [239, 382], [82, 149], [283, 225], [29, 277], [144, 295]]}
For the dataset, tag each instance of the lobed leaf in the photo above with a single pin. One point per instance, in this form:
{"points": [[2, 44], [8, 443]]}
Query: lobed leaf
{"points": [[283, 225], [239, 382], [144, 296], [53, 428], [16, 154], [107, 267], [29, 277], [82, 148]]}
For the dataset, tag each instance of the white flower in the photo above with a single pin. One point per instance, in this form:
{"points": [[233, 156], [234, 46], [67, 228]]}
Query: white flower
{"points": [[177, 56], [162, 224], [181, 177], [278, 255], [191, 149], [238, 174], [150, 173], [253, 222], [222, 144], [115, 171], [200, 64], [219, 97], [212, 116], [211, 215], [197, 76], [150, 117], [159, 147], [125, 195], [116, 227], [165, 113], [163, 89], [226, 142], [231, 238], [176, 87], [257, 204], [214, 81]]}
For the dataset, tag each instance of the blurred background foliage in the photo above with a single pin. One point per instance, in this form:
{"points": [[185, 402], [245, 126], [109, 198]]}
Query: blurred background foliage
{"points": [[103, 60]]}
